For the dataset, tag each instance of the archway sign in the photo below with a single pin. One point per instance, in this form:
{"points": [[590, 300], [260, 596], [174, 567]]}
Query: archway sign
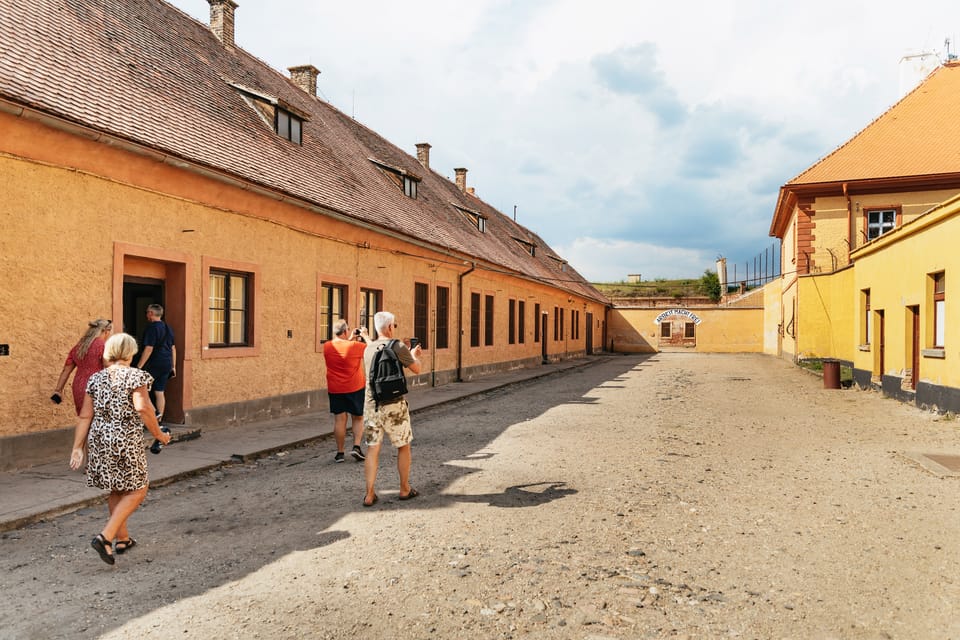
{"points": [[669, 313]]}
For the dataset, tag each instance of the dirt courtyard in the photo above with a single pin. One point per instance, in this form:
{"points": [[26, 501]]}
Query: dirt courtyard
{"points": [[673, 496]]}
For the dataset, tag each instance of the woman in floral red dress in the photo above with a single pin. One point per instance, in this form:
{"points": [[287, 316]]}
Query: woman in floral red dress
{"points": [[87, 358]]}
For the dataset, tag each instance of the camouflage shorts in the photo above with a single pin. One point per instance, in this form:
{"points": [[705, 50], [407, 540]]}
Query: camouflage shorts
{"points": [[392, 419]]}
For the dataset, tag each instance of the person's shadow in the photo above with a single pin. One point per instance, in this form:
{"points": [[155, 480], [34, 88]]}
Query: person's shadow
{"points": [[521, 495]]}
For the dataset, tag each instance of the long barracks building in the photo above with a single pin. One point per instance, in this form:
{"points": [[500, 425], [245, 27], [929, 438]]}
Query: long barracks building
{"points": [[145, 157]]}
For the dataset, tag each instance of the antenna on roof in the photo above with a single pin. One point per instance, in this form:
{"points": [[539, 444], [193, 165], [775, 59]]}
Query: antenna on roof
{"points": [[514, 213], [948, 57]]}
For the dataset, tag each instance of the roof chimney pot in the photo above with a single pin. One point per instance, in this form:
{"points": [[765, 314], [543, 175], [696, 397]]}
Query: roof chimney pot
{"points": [[221, 20], [423, 154], [305, 77], [461, 179]]}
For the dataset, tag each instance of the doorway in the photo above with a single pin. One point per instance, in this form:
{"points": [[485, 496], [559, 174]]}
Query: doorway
{"points": [[914, 313], [138, 294]]}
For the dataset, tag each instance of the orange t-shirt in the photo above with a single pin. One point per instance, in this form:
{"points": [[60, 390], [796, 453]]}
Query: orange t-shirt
{"points": [[344, 360]]}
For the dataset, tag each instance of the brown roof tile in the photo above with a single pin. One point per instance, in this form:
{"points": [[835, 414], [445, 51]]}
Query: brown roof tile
{"points": [[145, 71]]}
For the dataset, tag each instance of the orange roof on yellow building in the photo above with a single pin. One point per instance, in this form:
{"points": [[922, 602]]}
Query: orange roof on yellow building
{"points": [[917, 136]]}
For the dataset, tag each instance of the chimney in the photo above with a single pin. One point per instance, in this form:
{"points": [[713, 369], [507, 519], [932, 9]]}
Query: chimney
{"points": [[423, 154], [461, 179], [305, 77], [221, 20]]}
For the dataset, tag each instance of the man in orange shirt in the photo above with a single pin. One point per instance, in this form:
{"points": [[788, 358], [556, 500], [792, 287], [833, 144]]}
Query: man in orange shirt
{"points": [[346, 381]]}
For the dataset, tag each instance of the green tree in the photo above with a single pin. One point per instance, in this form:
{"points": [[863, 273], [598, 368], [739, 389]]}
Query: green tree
{"points": [[710, 285]]}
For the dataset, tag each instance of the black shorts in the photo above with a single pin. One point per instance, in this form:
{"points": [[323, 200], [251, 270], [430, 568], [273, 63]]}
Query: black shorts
{"points": [[160, 380], [351, 403]]}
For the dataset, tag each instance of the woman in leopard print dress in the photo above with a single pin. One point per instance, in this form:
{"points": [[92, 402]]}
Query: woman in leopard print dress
{"points": [[116, 407]]}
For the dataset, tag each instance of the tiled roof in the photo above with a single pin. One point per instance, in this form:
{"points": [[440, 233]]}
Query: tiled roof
{"points": [[918, 136], [144, 71]]}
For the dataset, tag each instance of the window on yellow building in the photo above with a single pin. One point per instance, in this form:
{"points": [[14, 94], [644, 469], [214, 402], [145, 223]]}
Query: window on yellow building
{"points": [[664, 329], [421, 311], [866, 326], [474, 319], [880, 221], [521, 320], [689, 330], [443, 316], [371, 301], [939, 308], [488, 322], [228, 308], [332, 303]]}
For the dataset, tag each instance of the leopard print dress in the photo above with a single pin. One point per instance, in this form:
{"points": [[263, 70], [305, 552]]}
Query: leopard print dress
{"points": [[116, 456]]}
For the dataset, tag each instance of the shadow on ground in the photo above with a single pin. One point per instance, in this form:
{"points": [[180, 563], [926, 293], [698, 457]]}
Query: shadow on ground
{"points": [[204, 532]]}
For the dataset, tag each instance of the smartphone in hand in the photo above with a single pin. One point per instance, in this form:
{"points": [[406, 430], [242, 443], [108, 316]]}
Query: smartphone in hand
{"points": [[414, 342]]}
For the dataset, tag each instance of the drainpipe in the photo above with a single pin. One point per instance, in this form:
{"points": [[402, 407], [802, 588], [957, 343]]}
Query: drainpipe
{"points": [[850, 237], [460, 278]]}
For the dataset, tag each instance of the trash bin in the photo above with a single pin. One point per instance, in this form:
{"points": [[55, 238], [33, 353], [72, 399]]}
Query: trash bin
{"points": [[831, 373]]}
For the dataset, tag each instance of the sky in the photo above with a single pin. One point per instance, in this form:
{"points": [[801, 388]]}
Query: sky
{"points": [[634, 137]]}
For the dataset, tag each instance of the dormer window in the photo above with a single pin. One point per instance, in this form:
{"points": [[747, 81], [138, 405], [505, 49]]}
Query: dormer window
{"points": [[561, 264], [529, 247], [475, 217], [409, 187], [285, 122], [289, 126], [405, 181]]}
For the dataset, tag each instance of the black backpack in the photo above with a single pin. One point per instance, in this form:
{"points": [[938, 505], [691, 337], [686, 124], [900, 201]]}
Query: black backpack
{"points": [[387, 382]]}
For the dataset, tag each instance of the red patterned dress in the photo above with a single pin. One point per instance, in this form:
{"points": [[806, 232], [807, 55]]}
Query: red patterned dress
{"points": [[91, 362]]}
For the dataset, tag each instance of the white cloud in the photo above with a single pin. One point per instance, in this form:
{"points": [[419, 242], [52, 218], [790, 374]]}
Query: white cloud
{"points": [[620, 129], [606, 260]]}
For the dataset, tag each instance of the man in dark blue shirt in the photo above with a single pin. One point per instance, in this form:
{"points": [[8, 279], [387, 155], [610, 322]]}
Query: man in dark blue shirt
{"points": [[158, 356]]}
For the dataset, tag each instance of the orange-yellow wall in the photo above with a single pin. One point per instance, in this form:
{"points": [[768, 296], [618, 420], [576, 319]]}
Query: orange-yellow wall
{"points": [[832, 232], [71, 233], [721, 330], [897, 272], [826, 315]]}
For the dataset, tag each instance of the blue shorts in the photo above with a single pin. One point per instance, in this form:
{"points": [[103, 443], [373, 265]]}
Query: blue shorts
{"points": [[351, 403]]}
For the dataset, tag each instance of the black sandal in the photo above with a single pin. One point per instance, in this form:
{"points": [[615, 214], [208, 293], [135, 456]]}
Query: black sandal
{"points": [[127, 545], [100, 544]]}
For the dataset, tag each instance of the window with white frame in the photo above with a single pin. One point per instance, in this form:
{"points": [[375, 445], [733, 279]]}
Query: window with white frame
{"points": [[880, 221], [939, 309]]}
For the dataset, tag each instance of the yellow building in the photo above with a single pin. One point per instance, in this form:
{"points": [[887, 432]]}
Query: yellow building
{"points": [[707, 329], [903, 331], [866, 244], [144, 157]]}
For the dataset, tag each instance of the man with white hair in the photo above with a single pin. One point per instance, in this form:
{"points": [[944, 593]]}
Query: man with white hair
{"points": [[393, 418]]}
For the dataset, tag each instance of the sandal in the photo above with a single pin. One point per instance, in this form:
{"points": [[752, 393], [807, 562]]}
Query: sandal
{"points": [[127, 545], [410, 496], [372, 502], [100, 544]]}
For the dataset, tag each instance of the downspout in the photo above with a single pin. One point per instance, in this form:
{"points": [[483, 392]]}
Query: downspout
{"points": [[850, 232], [473, 265]]}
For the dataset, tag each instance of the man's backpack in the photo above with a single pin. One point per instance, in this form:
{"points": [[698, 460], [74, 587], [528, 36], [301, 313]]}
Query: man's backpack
{"points": [[387, 382]]}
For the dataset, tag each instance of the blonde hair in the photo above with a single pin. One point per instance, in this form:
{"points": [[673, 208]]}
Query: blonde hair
{"points": [[94, 330], [119, 346]]}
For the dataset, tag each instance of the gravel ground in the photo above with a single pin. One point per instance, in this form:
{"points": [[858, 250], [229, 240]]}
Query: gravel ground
{"points": [[675, 496]]}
